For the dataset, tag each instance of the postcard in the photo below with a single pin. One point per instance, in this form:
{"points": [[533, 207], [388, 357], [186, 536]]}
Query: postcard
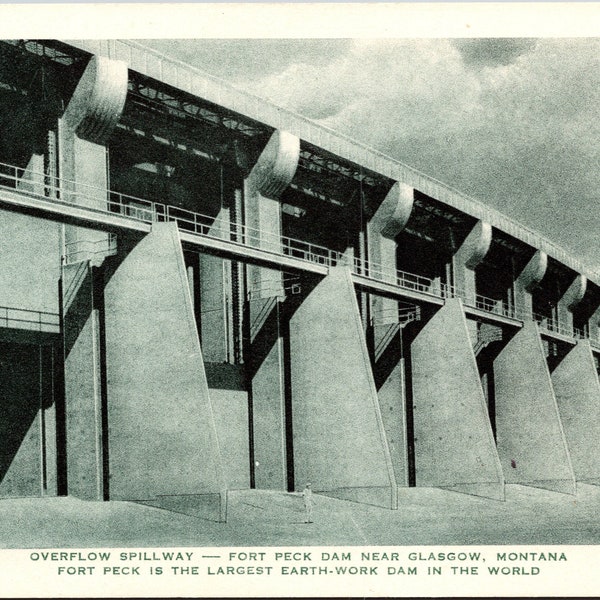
{"points": [[299, 300]]}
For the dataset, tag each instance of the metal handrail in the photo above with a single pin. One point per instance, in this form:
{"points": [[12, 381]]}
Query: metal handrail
{"points": [[64, 190], [555, 325], [87, 248], [393, 276], [495, 306], [451, 291], [39, 318]]}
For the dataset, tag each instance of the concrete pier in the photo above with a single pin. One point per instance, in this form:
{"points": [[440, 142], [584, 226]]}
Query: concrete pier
{"points": [[471, 252], [454, 445], [151, 341], [83, 381], [389, 219], [570, 299], [83, 130], [531, 442], [340, 444], [270, 176], [577, 390], [528, 279]]}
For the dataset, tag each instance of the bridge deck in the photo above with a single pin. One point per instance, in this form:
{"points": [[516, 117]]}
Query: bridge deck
{"points": [[285, 253]]}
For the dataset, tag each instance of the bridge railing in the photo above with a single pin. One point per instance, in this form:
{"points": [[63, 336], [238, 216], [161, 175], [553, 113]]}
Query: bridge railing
{"points": [[403, 279], [31, 320], [555, 325], [495, 306], [451, 291], [78, 250], [70, 192]]}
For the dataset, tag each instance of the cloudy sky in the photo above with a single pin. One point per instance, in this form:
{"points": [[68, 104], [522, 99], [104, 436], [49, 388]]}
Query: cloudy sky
{"points": [[512, 122]]}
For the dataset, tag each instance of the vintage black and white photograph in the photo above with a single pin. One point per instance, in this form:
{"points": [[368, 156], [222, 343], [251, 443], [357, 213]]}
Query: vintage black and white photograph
{"points": [[299, 292]]}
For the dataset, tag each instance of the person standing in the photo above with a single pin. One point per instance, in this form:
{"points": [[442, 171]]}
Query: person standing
{"points": [[308, 503]]}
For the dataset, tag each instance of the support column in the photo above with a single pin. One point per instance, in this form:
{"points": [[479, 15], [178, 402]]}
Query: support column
{"points": [[569, 300], [270, 176], [527, 281], [389, 220], [88, 121], [466, 259], [340, 444], [577, 389], [83, 382], [530, 437], [594, 327], [454, 444], [215, 297]]}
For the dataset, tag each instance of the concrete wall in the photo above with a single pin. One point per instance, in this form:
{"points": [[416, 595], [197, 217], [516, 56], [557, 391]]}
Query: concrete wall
{"points": [[20, 427], [267, 380], [392, 404], [229, 399], [577, 390], [530, 438], [339, 438], [161, 427], [454, 445], [82, 384], [29, 262], [83, 165]]}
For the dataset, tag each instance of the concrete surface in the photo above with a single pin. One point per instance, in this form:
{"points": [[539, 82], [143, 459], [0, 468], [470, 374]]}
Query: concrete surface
{"points": [[577, 391], [531, 442], [214, 276], [392, 404], [427, 516], [266, 359], [229, 400], [83, 165], [339, 439], [159, 442], [20, 422], [29, 262], [454, 445], [82, 384]]}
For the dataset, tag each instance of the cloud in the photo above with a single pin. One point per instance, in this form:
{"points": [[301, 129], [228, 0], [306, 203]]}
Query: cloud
{"points": [[492, 52]]}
